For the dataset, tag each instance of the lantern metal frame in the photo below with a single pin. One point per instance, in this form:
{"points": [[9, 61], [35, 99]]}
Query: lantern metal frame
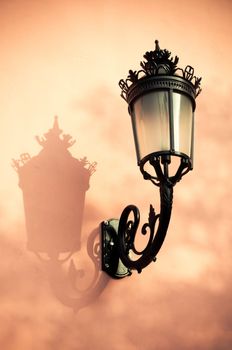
{"points": [[159, 73]]}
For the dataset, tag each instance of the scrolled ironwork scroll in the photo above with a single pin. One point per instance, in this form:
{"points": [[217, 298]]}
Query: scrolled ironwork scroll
{"points": [[128, 229]]}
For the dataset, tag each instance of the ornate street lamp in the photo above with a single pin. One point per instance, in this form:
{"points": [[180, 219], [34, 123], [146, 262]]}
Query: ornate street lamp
{"points": [[161, 103]]}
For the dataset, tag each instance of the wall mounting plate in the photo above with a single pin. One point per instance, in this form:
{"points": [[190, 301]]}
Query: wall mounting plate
{"points": [[111, 263]]}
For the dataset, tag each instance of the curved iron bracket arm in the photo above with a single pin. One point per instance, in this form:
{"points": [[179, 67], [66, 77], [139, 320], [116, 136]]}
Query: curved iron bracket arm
{"points": [[119, 240], [127, 231], [119, 254]]}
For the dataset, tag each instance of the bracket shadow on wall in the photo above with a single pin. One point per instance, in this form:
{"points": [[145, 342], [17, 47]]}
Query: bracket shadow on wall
{"points": [[161, 103], [54, 186]]}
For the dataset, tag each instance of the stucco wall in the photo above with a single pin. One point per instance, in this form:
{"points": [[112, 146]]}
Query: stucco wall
{"points": [[65, 58]]}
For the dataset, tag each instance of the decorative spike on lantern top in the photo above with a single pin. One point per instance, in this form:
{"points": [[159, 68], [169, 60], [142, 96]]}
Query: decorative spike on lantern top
{"points": [[157, 48]]}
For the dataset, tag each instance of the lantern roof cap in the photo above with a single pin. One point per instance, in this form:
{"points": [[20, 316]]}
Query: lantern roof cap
{"points": [[158, 63]]}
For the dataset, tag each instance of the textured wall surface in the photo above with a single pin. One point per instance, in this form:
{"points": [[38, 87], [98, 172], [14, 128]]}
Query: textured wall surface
{"points": [[65, 58]]}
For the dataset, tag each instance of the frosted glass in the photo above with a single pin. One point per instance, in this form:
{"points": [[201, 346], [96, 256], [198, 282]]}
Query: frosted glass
{"points": [[150, 119], [182, 123]]}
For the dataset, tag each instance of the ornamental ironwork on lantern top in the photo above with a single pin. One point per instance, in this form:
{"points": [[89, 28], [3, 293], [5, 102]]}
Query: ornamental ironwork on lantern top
{"points": [[159, 71]]}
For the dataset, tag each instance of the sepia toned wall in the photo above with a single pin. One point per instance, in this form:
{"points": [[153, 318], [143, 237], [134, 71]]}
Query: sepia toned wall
{"points": [[65, 58]]}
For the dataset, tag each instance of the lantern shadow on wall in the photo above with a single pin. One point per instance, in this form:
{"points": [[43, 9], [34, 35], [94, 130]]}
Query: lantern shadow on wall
{"points": [[54, 186]]}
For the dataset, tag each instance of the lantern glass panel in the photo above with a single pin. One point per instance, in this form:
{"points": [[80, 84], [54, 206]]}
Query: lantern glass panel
{"points": [[182, 123], [150, 121]]}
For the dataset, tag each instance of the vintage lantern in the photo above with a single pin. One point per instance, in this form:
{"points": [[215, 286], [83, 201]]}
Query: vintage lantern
{"points": [[161, 103]]}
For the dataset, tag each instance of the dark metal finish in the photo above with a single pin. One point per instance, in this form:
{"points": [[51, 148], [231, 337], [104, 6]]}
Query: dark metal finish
{"points": [[118, 239], [147, 84], [111, 262], [157, 65], [155, 158], [159, 72], [128, 229]]}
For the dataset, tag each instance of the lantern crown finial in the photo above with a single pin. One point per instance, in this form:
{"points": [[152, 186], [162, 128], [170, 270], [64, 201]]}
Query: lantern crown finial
{"points": [[157, 48], [159, 62]]}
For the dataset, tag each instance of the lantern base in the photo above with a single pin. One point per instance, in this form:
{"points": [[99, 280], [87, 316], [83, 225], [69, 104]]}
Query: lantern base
{"points": [[111, 263], [163, 158]]}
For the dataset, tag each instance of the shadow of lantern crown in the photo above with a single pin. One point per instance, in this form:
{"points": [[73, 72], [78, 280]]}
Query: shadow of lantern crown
{"points": [[55, 137]]}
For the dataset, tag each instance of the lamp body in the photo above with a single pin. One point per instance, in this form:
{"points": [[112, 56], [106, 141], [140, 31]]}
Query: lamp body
{"points": [[162, 115], [161, 103]]}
